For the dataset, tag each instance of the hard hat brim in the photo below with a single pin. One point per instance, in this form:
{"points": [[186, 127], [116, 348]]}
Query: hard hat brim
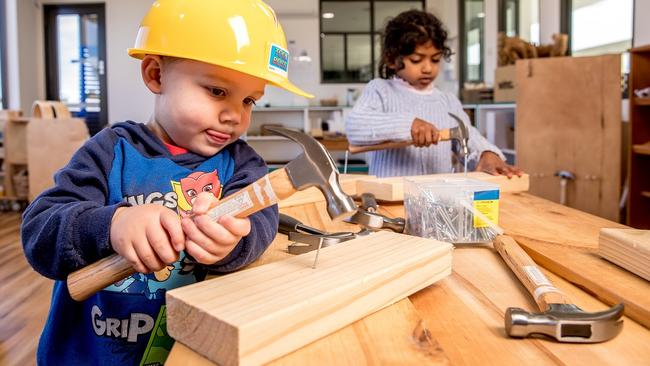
{"points": [[284, 84]]}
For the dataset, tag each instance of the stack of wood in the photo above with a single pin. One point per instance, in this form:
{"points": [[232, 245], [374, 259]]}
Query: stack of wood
{"points": [[628, 248], [512, 49]]}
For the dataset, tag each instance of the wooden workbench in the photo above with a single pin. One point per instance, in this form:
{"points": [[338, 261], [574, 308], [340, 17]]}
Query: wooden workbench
{"points": [[459, 320]]}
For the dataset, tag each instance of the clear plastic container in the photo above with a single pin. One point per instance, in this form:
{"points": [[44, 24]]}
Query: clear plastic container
{"points": [[455, 210]]}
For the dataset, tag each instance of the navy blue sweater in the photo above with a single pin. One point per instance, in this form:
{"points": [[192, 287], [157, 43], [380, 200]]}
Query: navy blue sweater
{"points": [[67, 227]]}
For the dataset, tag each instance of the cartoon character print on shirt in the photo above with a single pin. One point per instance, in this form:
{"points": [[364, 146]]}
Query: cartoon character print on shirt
{"points": [[154, 285], [189, 187]]}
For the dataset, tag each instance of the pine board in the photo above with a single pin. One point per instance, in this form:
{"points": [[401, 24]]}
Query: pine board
{"points": [[569, 118], [628, 248], [265, 312], [313, 194], [392, 189]]}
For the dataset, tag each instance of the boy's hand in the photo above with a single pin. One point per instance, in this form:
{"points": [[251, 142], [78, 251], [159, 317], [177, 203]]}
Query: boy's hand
{"points": [[491, 163], [147, 236], [209, 241], [424, 133]]}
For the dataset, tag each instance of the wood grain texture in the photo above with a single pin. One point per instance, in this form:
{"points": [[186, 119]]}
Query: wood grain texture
{"points": [[265, 312], [628, 248], [392, 189], [395, 335], [569, 118], [565, 241], [348, 184], [25, 298], [464, 313], [530, 275]]}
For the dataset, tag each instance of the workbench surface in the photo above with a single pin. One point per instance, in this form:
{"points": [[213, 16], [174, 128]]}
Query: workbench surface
{"points": [[459, 320]]}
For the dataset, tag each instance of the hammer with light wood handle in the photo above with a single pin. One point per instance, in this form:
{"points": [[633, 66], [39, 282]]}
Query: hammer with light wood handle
{"points": [[559, 318], [313, 168], [460, 133]]}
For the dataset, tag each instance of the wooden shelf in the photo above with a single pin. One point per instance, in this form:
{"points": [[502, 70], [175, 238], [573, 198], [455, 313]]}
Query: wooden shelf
{"points": [[642, 101], [641, 49], [643, 149]]}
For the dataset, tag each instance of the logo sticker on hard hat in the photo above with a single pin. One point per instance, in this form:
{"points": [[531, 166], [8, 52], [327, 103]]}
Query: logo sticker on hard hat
{"points": [[279, 60]]}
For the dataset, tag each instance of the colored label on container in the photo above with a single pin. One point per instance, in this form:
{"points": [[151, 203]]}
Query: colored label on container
{"points": [[487, 203]]}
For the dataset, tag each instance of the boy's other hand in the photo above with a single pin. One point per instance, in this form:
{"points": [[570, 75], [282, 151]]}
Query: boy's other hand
{"points": [[491, 163], [424, 133], [209, 241], [148, 236]]}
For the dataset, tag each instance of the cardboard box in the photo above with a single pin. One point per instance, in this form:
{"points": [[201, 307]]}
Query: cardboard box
{"points": [[505, 87]]}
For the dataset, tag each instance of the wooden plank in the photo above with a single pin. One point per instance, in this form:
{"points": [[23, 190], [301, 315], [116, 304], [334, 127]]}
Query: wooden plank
{"points": [[565, 241], [569, 118], [392, 189], [263, 313], [393, 335], [628, 248], [311, 195], [465, 314], [643, 149]]}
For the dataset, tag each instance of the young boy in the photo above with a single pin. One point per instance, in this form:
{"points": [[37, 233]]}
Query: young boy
{"points": [[207, 62], [404, 105]]}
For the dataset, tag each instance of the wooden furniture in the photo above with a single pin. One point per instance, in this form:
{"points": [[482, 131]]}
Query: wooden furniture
{"points": [[265, 312], [569, 119], [14, 167], [52, 137], [638, 203], [392, 189], [629, 248], [459, 320]]}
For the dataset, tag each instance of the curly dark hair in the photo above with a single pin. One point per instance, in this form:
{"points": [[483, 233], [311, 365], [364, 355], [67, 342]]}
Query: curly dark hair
{"points": [[404, 32]]}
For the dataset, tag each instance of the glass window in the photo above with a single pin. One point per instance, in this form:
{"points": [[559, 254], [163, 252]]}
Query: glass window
{"points": [[384, 10], [473, 28], [520, 18], [350, 36], [601, 26]]}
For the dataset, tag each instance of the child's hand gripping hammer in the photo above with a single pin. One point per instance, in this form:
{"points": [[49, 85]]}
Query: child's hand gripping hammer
{"points": [[314, 168]]}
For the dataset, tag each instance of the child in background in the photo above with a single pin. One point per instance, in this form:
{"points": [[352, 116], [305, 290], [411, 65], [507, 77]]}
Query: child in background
{"points": [[206, 62], [404, 105]]}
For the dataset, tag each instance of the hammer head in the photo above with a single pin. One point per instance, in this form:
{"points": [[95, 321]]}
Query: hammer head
{"points": [[460, 134], [316, 168], [566, 323]]}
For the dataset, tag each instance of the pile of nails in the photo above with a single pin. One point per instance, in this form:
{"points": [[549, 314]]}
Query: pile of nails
{"points": [[443, 218]]}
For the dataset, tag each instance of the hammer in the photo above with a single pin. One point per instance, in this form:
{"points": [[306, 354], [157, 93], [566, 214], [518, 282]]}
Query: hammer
{"points": [[559, 319], [313, 168], [460, 134]]}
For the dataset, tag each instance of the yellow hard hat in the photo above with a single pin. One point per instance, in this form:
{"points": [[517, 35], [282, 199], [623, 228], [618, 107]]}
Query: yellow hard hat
{"points": [[243, 35]]}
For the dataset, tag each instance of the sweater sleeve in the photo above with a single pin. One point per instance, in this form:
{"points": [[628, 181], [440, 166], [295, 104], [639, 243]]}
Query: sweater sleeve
{"points": [[368, 123], [249, 167], [477, 144], [67, 226]]}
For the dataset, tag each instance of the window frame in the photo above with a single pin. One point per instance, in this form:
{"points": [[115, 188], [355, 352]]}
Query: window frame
{"points": [[502, 16], [4, 85], [462, 48], [371, 33], [566, 22]]}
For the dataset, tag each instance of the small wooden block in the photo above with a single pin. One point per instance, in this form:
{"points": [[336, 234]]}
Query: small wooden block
{"points": [[256, 315], [628, 248], [348, 184], [392, 189]]}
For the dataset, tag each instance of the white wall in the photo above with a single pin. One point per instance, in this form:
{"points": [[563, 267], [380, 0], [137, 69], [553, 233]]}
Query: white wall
{"points": [[641, 23], [549, 20], [129, 99]]}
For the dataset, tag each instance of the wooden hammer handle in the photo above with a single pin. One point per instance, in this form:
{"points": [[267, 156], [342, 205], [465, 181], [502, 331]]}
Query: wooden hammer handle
{"points": [[355, 149], [263, 193], [529, 273]]}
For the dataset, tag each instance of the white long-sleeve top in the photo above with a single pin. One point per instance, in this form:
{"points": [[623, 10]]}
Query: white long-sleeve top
{"points": [[385, 112]]}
